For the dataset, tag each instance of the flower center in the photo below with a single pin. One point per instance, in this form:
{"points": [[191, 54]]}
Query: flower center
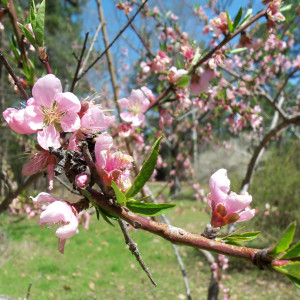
{"points": [[52, 115], [135, 109]]}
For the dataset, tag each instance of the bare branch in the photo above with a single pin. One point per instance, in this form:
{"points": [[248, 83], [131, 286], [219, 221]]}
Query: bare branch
{"points": [[113, 41], [134, 250], [31, 284], [66, 186], [3, 176]]}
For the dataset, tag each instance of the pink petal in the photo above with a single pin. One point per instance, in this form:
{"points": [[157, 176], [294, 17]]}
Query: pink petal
{"points": [[127, 116], [49, 137], [145, 105], [43, 197], [37, 164], [73, 141], [246, 215], [219, 186], [16, 120], [50, 172], [67, 102], [68, 230], [55, 213], [235, 203], [138, 120], [70, 122], [34, 116], [45, 89], [124, 103], [136, 96], [95, 120], [103, 143]]}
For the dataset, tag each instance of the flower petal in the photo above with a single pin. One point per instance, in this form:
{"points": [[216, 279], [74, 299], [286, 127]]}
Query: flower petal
{"points": [[246, 215], [49, 137], [235, 203], [67, 102], [95, 120], [43, 197], [70, 122], [34, 116], [45, 89], [219, 186], [124, 103], [103, 143]]}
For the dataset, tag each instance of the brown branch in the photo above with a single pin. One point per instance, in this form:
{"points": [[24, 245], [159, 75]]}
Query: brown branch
{"points": [[66, 186], [134, 250], [142, 40], [13, 194], [113, 41], [228, 38], [272, 133], [14, 76], [170, 233], [75, 79]]}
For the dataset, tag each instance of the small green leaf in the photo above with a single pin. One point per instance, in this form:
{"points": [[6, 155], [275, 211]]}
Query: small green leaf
{"points": [[293, 252], [196, 57], [149, 209], [294, 280], [237, 18], [238, 50], [105, 218], [183, 80], [146, 171], [139, 200], [244, 237], [40, 25], [14, 49], [286, 7], [230, 26], [32, 13], [247, 16], [121, 198], [291, 269], [285, 241], [28, 35]]}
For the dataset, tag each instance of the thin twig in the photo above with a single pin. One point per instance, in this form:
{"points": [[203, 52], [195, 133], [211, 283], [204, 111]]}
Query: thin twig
{"points": [[75, 79], [3, 176], [90, 49], [134, 250], [113, 41], [66, 186], [31, 284], [141, 39], [14, 76]]}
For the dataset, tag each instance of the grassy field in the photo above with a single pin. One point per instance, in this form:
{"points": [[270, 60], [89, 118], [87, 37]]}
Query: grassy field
{"points": [[97, 264]]}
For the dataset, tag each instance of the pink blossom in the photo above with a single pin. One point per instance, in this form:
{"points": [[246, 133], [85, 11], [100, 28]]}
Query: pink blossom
{"points": [[82, 180], [165, 118], [160, 61], [227, 209], [125, 130], [216, 60], [112, 166], [274, 13], [136, 104], [62, 214], [174, 75], [126, 7], [200, 83], [219, 24], [51, 111]]}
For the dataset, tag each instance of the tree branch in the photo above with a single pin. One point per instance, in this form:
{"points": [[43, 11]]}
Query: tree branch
{"points": [[134, 250]]}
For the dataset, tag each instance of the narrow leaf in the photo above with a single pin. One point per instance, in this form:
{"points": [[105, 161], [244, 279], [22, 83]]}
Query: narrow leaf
{"points": [[149, 209], [146, 171], [237, 18], [121, 198], [105, 218], [238, 50], [131, 200], [286, 7], [183, 81], [247, 16], [285, 241], [230, 27], [40, 25], [294, 280], [28, 35], [293, 252], [32, 13], [196, 57], [291, 269], [244, 237]]}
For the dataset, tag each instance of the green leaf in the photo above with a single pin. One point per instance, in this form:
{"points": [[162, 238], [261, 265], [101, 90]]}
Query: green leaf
{"points": [[40, 25], [243, 237], [247, 16], [293, 252], [196, 57], [286, 7], [32, 14], [291, 269], [146, 171], [121, 198], [238, 50], [294, 280], [28, 35], [237, 18], [149, 209], [131, 200], [285, 241], [14, 48], [183, 80], [105, 218], [230, 26]]}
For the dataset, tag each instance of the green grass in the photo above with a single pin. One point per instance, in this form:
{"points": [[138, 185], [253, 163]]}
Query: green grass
{"points": [[98, 265]]}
